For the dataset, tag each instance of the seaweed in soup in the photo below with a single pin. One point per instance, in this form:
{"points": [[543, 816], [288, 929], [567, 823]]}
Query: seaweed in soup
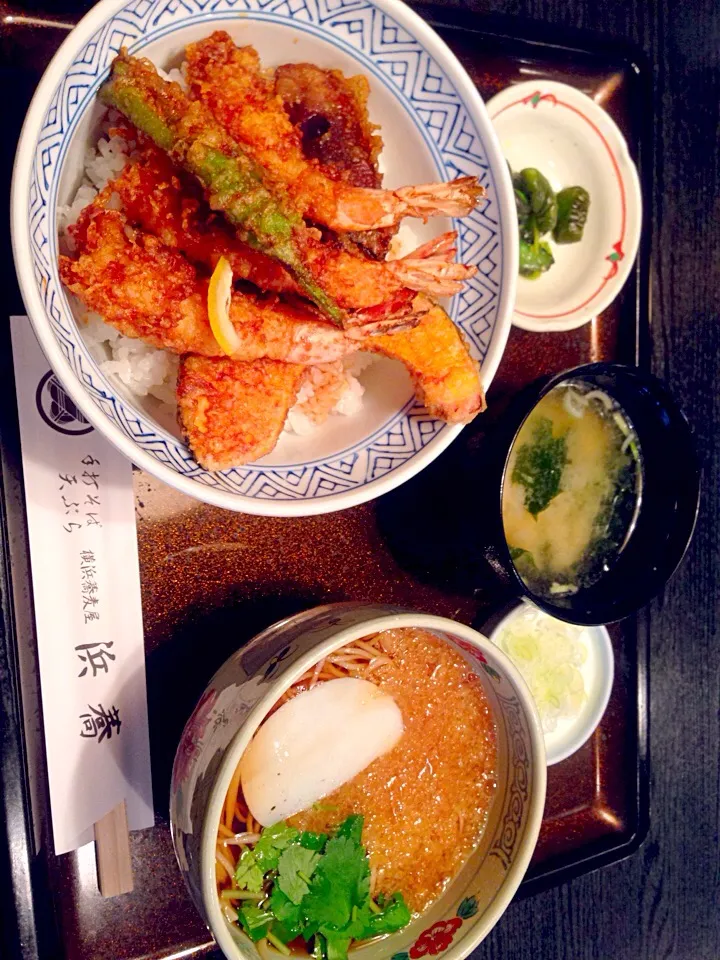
{"points": [[572, 489]]}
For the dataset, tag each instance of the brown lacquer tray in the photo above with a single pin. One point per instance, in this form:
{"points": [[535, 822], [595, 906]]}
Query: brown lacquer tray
{"points": [[212, 579]]}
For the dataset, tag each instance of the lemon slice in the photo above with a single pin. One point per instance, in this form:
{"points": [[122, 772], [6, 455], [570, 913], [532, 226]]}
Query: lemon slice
{"points": [[219, 293]]}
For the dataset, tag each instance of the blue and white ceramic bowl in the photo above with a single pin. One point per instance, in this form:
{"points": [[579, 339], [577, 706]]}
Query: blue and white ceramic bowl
{"points": [[434, 125]]}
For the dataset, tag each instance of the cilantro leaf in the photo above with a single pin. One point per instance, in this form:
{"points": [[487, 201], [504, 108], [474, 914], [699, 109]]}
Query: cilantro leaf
{"points": [[313, 841], [273, 840], [285, 912], [255, 863], [288, 918], [351, 828], [309, 928], [341, 881], [359, 924], [337, 948], [284, 933], [321, 890], [295, 868], [248, 875], [394, 916], [391, 915], [255, 922]]}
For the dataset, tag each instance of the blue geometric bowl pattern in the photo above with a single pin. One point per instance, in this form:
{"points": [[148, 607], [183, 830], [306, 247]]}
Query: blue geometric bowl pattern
{"points": [[386, 52]]}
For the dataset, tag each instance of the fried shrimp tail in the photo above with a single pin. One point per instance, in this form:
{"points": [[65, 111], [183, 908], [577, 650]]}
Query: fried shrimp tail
{"points": [[432, 269], [453, 199], [442, 247], [435, 276], [230, 81], [362, 209]]}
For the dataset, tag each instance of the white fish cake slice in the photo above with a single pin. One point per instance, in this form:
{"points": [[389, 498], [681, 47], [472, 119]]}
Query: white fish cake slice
{"points": [[315, 743]]}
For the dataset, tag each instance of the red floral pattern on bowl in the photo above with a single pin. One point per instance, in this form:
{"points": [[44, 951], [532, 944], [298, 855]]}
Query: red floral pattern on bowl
{"points": [[435, 939]]}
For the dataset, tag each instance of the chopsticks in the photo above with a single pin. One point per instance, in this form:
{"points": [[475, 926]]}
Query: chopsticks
{"points": [[112, 852]]}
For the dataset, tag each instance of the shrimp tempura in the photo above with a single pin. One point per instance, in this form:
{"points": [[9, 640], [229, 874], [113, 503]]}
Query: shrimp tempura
{"points": [[230, 81]]}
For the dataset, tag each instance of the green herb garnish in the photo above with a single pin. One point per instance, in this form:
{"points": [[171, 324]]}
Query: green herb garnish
{"points": [[522, 558], [315, 887], [539, 465], [273, 840], [286, 913], [255, 922], [394, 915], [248, 875], [255, 863], [351, 828], [313, 841], [296, 867]]}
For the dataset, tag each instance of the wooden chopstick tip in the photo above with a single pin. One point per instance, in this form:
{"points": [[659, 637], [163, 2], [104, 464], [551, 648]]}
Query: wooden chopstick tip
{"points": [[112, 852]]}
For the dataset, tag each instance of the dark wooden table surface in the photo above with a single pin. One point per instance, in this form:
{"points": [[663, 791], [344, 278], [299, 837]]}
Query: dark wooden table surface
{"points": [[664, 901]]}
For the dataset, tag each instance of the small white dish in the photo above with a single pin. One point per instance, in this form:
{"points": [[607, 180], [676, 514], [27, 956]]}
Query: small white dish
{"points": [[572, 141], [597, 672]]}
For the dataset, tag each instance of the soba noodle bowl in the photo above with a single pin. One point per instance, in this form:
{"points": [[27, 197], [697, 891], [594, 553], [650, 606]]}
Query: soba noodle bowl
{"points": [[424, 803]]}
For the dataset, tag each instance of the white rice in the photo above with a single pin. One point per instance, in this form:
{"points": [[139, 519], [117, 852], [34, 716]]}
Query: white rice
{"points": [[145, 371], [310, 412], [176, 75]]}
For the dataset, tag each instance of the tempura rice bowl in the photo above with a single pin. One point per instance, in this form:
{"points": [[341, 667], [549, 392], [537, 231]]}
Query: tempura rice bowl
{"points": [[147, 375], [238, 698], [433, 128]]}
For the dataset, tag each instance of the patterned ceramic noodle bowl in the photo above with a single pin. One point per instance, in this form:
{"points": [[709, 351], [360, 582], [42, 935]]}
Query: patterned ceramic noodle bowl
{"points": [[250, 682]]}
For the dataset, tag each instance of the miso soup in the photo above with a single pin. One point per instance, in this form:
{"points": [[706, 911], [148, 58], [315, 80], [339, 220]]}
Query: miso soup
{"points": [[572, 489]]}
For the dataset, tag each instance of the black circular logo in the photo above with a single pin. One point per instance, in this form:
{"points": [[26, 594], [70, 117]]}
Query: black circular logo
{"points": [[57, 409]]}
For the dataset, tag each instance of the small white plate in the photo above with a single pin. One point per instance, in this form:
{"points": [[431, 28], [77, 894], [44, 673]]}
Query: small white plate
{"points": [[573, 141], [597, 673]]}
